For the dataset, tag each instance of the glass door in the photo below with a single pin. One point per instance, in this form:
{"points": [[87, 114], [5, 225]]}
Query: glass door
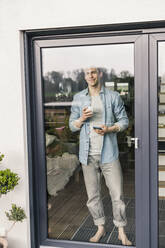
{"points": [[71, 209], [157, 48], [64, 73]]}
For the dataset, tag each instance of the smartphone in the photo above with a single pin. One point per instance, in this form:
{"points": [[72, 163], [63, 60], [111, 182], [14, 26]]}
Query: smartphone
{"points": [[99, 128]]}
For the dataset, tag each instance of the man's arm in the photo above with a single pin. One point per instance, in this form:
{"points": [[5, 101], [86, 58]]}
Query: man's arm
{"points": [[106, 129], [120, 113], [74, 116], [86, 113], [77, 119]]}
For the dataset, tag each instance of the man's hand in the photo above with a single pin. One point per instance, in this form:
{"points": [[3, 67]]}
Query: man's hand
{"points": [[103, 131], [86, 113], [106, 129]]}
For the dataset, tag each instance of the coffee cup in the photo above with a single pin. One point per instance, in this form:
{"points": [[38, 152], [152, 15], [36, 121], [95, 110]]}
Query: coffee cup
{"points": [[90, 108]]}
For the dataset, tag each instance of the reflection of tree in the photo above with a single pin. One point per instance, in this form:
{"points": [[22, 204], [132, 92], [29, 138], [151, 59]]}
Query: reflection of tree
{"points": [[51, 84], [104, 75], [68, 85], [80, 79], [112, 75], [61, 86], [125, 74]]}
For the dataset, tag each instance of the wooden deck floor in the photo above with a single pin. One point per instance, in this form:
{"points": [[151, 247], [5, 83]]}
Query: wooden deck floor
{"points": [[68, 210]]}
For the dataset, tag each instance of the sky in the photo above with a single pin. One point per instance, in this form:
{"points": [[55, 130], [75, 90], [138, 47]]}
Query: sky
{"points": [[119, 57], [161, 60]]}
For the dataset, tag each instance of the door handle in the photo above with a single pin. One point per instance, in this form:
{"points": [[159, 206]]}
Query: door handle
{"points": [[136, 142]]}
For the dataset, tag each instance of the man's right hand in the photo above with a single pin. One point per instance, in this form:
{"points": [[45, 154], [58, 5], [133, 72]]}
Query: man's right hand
{"points": [[86, 113]]}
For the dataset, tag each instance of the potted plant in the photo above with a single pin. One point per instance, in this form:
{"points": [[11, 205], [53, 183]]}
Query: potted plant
{"points": [[8, 181], [15, 214]]}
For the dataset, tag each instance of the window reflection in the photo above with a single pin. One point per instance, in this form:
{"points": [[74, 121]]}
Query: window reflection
{"points": [[161, 141], [68, 216]]}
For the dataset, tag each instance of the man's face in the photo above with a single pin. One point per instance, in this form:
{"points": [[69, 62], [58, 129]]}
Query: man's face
{"points": [[92, 77]]}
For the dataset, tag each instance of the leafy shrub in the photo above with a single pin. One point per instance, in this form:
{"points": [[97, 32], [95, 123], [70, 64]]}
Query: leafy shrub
{"points": [[16, 214], [8, 180], [1, 156]]}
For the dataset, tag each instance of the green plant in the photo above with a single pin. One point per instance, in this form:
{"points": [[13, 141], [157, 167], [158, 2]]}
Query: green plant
{"points": [[1, 156], [15, 214], [8, 180]]}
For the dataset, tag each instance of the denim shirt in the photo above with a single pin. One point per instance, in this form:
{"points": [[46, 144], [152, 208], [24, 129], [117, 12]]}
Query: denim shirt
{"points": [[113, 113]]}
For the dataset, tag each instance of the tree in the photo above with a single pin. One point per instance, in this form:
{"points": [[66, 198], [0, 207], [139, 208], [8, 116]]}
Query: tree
{"points": [[104, 75], [15, 214], [125, 74], [112, 75], [80, 79]]}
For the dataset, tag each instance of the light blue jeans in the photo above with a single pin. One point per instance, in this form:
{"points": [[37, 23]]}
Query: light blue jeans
{"points": [[114, 180]]}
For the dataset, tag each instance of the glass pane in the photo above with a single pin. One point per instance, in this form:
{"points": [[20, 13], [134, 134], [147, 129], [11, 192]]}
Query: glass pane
{"points": [[80, 158], [161, 141]]}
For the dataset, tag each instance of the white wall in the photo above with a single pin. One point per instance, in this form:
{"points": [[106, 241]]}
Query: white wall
{"points": [[16, 15]]}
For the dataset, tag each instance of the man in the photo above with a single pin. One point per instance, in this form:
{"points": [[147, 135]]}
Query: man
{"points": [[99, 114]]}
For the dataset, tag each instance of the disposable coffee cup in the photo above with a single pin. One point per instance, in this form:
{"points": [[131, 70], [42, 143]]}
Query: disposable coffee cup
{"points": [[90, 108]]}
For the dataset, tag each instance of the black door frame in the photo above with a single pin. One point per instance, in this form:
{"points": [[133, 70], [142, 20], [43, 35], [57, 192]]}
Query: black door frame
{"points": [[146, 193]]}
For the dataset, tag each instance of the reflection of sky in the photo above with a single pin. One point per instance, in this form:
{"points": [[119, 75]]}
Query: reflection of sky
{"points": [[161, 60], [119, 57]]}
